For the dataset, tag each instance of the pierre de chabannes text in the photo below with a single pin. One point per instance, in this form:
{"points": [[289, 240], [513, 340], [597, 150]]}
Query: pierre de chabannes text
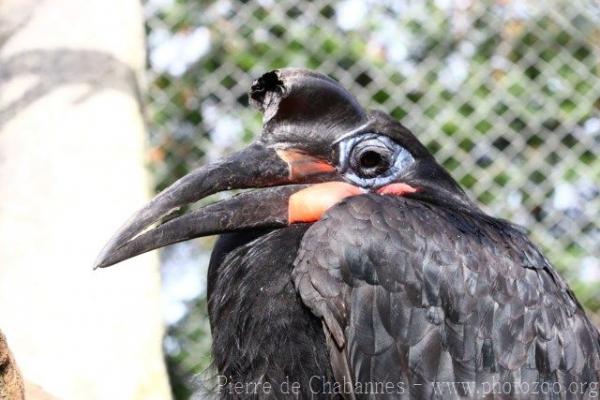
{"points": [[320, 384]]}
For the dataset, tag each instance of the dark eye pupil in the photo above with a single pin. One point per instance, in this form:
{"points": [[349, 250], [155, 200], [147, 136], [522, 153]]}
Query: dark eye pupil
{"points": [[370, 159]]}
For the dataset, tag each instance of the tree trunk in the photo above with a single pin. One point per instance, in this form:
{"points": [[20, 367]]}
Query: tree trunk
{"points": [[11, 382], [71, 171]]}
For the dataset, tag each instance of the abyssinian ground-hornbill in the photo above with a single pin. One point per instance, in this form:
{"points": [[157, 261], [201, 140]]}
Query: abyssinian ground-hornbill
{"points": [[358, 268]]}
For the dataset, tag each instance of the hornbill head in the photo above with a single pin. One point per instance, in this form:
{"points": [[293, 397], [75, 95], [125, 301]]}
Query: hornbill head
{"points": [[318, 146]]}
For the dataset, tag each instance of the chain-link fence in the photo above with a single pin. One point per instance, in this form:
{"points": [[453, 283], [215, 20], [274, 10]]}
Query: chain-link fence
{"points": [[505, 93]]}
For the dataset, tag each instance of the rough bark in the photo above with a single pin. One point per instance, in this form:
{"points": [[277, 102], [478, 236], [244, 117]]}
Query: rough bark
{"points": [[71, 170], [11, 382]]}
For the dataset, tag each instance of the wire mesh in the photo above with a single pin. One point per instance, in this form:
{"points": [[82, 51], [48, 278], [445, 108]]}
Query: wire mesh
{"points": [[506, 94]]}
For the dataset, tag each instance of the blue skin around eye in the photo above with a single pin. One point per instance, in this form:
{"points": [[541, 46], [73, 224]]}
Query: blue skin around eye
{"points": [[401, 159]]}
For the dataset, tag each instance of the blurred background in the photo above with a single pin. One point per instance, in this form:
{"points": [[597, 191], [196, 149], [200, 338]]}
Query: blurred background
{"points": [[505, 93]]}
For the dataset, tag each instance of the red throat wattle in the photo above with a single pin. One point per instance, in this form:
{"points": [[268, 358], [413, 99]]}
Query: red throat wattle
{"points": [[309, 205]]}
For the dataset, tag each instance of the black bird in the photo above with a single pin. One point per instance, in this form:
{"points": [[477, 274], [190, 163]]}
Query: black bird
{"points": [[359, 269]]}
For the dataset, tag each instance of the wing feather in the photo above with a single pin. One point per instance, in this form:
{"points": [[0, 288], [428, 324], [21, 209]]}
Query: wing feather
{"points": [[417, 294]]}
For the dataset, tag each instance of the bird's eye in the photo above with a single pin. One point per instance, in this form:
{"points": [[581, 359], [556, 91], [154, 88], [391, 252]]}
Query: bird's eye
{"points": [[372, 160]]}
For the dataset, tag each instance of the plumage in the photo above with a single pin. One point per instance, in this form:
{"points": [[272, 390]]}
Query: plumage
{"points": [[261, 330], [404, 289], [494, 329]]}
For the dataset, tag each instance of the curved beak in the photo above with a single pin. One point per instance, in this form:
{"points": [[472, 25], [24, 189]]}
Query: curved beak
{"points": [[257, 166], [304, 112]]}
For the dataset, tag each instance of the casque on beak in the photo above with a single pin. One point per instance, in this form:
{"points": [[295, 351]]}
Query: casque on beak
{"points": [[303, 112]]}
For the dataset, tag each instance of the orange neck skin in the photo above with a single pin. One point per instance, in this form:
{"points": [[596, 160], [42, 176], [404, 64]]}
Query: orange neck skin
{"points": [[309, 205], [398, 189]]}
